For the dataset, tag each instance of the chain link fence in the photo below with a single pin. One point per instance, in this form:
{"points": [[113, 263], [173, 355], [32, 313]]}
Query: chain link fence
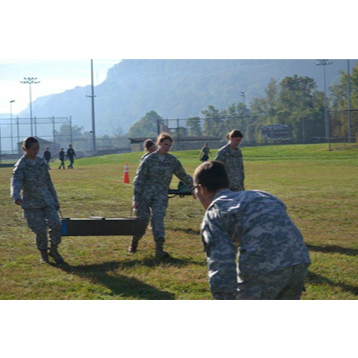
{"points": [[343, 128], [191, 133]]}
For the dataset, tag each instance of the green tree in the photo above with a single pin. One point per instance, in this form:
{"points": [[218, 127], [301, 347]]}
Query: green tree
{"points": [[65, 130], [232, 119], [147, 126], [181, 131], [296, 105], [213, 122], [267, 106], [194, 127], [296, 102], [236, 117], [339, 120], [64, 134], [264, 111]]}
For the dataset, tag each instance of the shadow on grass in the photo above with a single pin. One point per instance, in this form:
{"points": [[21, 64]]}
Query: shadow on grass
{"points": [[315, 279], [120, 285], [168, 262], [187, 231], [333, 249]]}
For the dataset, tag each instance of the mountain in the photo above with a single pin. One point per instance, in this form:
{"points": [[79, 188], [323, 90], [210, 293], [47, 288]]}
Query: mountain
{"points": [[174, 89]]}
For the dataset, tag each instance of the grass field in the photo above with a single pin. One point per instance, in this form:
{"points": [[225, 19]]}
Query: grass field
{"points": [[319, 188]]}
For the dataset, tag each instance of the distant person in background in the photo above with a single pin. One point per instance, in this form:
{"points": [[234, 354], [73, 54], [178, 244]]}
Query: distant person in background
{"points": [[205, 153], [254, 250], [47, 157], [149, 147], [71, 156], [231, 156], [61, 156], [39, 201]]}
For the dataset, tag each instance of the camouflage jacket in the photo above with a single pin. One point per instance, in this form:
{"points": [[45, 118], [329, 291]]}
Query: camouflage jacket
{"points": [[143, 157], [255, 226], [154, 176], [204, 151], [33, 178], [234, 166]]}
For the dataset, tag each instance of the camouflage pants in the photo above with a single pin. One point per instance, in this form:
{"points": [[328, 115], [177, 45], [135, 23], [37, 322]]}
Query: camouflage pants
{"points": [[38, 220], [156, 210], [284, 284]]}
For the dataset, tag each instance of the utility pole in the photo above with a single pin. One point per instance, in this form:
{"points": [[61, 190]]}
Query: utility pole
{"points": [[325, 63], [93, 117], [243, 110], [30, 81]]}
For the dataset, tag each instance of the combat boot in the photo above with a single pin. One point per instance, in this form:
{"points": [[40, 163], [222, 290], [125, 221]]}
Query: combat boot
{"points": [[44, 257], [55, 254], [132, 249], [159, 252]]}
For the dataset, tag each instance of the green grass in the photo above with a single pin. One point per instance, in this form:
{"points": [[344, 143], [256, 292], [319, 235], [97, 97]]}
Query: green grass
{"points": [[318, 186]]}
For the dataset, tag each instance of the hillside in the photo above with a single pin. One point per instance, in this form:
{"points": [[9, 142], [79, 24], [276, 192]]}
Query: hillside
{"points": [[174, 89]]}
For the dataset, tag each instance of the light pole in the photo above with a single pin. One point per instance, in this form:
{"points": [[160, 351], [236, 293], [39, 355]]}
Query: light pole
{"points": [[30, 81], [324, 63], [12, 139], [244, 109], [349, 102], [93, 118]]}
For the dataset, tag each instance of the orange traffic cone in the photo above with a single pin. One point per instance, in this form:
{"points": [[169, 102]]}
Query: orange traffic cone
{"points": [[126, 174]]}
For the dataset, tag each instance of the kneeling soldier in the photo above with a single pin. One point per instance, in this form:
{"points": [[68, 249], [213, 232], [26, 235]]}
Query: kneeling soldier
{"points": [[273, 259]]}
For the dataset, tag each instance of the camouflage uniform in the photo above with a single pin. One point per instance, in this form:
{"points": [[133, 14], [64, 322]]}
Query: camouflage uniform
{"points": [[47, 157], [61, 156], [151, 186], [204, 154], [40, 201], [272, 258], [234, 165], [143, 157]]}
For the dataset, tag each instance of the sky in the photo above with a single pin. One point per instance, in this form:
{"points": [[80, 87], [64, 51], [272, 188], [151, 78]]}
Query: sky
{"points": [[55, 76]]}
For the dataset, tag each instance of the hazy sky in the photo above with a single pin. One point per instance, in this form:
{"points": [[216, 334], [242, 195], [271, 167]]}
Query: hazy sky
{"points": [[55, 76]]}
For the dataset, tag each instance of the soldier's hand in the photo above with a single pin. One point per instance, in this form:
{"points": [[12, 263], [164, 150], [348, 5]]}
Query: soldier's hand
{"points": [[135, 205]]}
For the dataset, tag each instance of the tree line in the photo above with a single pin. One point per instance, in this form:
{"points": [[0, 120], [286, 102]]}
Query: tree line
{"points": [[295, 101]]}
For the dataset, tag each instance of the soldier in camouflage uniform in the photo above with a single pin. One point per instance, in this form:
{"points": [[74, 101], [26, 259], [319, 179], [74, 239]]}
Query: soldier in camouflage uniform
{"points": [[151, 186], [149, 147], [47, 157], [39, 201], [231, 156], [255, 227], [204, 153]]}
